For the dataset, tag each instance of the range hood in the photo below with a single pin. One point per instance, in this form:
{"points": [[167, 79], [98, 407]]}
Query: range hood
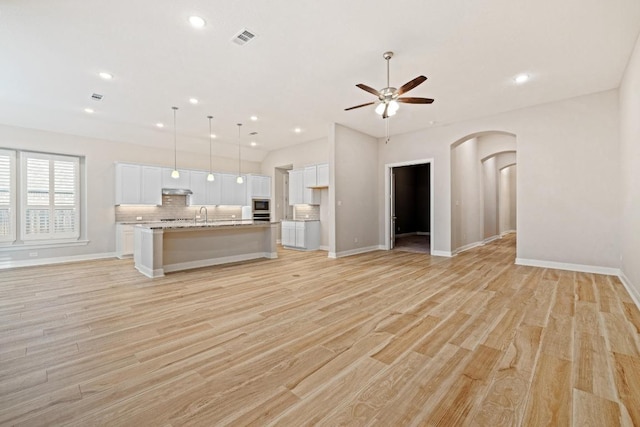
{"points": [[176, 192]]}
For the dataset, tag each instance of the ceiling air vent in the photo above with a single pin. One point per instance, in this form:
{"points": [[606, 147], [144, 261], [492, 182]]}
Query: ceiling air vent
{"points": [[243, 37], [96, 97]]}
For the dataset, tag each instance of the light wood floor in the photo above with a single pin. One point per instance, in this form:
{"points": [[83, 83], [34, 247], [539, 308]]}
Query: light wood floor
{"points": [[385, 338]]}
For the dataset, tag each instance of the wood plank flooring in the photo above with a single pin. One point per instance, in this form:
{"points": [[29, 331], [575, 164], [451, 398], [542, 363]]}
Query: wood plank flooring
{"points": [[385, 338]]}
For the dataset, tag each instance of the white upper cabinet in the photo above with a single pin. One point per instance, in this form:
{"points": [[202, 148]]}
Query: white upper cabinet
{"points": [[259, 187], [204, 192], [299, 191], [138, 184], [316, 176], [322, 179], [233, 193], [184, 182], [128, 184], [310, 176], [151, 191], [296, 186]]}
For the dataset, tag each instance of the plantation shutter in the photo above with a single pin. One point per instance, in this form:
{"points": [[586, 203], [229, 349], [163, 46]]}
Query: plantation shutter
{"points": [[7, 196], [51, 197]]}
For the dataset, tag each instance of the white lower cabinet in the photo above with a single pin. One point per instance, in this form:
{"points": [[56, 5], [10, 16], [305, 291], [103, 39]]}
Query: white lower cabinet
{"points": [[301, 234], [124, 240]]}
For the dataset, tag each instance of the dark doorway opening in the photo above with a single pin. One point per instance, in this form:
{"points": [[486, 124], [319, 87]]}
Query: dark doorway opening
{"points": [[412, 208]]}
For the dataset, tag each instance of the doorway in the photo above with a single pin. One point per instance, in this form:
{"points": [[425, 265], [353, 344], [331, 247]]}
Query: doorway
{"points": [[409, 206]]}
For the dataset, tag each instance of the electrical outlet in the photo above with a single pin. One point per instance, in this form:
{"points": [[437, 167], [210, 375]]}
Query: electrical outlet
{"points": [[33, 254], [138, 218], [355, 240], [233, 216]]}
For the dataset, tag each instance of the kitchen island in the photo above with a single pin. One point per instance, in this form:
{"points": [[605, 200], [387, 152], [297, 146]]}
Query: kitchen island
{"points": [[161, 248]]}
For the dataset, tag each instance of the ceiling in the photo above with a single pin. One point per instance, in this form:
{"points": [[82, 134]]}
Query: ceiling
{"points": [[301, 68]]}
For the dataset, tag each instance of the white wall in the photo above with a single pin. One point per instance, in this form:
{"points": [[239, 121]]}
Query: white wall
{"points": [[465, 194], [354, 193], [567, 192], [630, 172], [101, 156], [507, 199], [490, 197]]}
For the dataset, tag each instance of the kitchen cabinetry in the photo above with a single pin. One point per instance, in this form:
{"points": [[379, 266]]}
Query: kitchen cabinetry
{"points": [[231, 192], [184, 182], [300, 234], [204, 192], [322, 175], [138, 184], [316, 176], [298, 192], [296, 187], [259, 187], [124, 240]]}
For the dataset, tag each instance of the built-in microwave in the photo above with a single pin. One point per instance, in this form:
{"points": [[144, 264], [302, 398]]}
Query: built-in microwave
{"points": [[261, 206]]}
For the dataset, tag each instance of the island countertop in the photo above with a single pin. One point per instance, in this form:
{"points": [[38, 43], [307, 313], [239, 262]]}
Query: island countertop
{"points": [[171, 225]]}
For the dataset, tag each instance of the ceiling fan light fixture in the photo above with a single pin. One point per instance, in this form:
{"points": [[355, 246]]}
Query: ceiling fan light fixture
{"points": [[393, 108]]}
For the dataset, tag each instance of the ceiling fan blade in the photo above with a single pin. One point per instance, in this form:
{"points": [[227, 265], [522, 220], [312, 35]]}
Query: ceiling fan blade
{"points": [[410, 85], [386, 109], [368, 89], [358, 106], [410, 100]]}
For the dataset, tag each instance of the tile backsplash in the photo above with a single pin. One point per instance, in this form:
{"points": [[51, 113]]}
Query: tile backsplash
{"points": [[174, 207], [310, 212]]}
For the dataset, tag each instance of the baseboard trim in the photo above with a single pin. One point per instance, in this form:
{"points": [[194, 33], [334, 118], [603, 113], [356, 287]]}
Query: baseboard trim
{"points": [[423, 233], [447, 254], [356, 251], [504, 233], [55, 260], [467, 247], [491, 239], [324, 248], [608, 271], [633, 291]]}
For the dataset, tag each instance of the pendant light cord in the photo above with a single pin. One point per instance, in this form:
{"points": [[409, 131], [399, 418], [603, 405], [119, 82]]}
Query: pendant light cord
{"points": [[175, 150], [239, 169], [210, 167]]}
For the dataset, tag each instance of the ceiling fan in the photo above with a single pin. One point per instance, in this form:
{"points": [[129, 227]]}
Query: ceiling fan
{"points": [[389, 97]]}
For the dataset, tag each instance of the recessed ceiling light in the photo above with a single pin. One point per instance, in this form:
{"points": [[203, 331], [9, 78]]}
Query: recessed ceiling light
{"points": [[194, 101], [253, 143], [213, 135], [160, 125], [196, 21], [253, 118], [89, 110], [297, 130], [521, 78], [105, 75]]}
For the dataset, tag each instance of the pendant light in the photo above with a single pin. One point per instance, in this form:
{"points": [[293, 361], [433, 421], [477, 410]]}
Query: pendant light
{"points": [[210, 177], [239, 179], [175, 174]]}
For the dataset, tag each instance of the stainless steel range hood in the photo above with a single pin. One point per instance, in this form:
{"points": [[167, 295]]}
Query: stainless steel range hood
{"points": [[176, 192]]}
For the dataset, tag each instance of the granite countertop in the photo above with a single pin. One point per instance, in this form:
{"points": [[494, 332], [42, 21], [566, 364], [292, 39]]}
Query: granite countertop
{"points": [[170, 225]]}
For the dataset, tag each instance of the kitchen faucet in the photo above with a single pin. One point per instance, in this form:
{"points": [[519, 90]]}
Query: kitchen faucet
{"points": [[205, 213]]}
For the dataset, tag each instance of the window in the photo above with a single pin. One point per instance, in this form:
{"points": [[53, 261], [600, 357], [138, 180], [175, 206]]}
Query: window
{"points": [[7, 196], [50, 197]]}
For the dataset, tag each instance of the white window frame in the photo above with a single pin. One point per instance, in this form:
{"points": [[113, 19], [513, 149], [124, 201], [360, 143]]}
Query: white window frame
{"points": [[51, 236], [12, 196]]}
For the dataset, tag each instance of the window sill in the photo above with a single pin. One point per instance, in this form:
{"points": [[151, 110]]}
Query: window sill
{"points": [[27, 246]]}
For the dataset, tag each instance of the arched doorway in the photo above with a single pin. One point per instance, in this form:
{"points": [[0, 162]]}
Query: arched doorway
{"points": [[479, 192]]}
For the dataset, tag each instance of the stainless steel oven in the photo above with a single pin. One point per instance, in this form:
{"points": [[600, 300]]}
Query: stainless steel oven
{"points": [[261, 209]]}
